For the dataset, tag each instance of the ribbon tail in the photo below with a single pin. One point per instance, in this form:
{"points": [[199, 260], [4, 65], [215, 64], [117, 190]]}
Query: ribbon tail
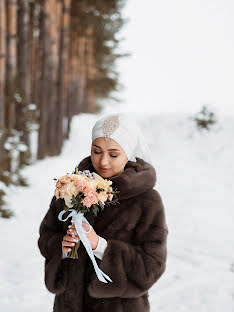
{"points": [[80, 231], [60, 216]]}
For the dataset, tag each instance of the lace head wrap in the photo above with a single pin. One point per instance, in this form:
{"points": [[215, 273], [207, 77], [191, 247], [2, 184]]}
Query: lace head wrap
{"points": [[124, 130]]}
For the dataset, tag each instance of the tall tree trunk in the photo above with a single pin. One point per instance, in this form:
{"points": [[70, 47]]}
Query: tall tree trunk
{"points": [[84, 76], [90, 71], [24, 78], [81, 77], [24, 49], [3, 153], [44, 78], [2, 63], [63, 107], [73, 85], [33, 50], [11, 71], [55, 18], [11, 10]]}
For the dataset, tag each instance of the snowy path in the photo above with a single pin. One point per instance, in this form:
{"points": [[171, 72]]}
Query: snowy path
{"points": [[196, 181]]}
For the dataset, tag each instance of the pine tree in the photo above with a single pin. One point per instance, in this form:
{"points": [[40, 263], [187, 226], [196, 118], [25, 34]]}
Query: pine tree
{"points": [[57, 59]]}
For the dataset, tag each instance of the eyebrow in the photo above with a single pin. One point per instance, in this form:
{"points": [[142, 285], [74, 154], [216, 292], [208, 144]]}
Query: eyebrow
{"points": [[111, 149]]}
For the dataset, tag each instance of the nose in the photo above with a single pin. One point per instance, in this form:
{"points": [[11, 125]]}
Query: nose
{"points": [[104, 162]]}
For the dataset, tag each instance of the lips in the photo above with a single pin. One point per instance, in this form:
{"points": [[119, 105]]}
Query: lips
{"points": [[104, 169]]}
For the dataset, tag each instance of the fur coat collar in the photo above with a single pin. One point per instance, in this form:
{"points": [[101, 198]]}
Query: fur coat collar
{"points": [[137, 178]]}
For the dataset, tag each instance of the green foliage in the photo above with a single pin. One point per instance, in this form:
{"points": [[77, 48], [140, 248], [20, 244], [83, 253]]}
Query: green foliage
{"points": [[5, 178], [114, 200], [20, 180], [204, 119], [77, 204], [101, 205], [105, 18], [4, 212], [16, 141], [95, 209], [8, 174]]}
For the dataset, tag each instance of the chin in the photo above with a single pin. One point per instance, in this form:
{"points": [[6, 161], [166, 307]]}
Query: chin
{"points": [[105, 175]]}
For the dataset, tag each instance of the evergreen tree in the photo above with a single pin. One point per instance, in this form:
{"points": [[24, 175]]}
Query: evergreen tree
{"points": [[57, 59]]}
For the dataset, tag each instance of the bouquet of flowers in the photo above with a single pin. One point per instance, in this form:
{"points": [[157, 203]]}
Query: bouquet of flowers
{"points": [[83, 191]]}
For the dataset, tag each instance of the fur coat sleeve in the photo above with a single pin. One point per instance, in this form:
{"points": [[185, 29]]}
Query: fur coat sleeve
{"points": [[50, 245], [135, 267]]}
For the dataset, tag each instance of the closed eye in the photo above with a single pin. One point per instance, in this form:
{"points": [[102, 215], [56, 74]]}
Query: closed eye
{"points": [[110, 155]]}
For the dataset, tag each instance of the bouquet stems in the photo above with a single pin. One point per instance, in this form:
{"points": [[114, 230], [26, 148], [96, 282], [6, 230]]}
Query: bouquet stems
{"points": [[74, 252]]}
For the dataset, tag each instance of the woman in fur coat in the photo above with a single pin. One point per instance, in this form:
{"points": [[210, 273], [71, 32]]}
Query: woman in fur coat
{"points": [[129, 240]]}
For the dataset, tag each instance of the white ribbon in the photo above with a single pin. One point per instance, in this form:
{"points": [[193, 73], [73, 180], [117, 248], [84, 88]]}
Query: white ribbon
{"points": [[78, 217]]}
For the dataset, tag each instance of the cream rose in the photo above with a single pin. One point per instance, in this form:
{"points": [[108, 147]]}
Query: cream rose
{"points": [[102, 196], [63, 179], [72, 189], [103, 184], [67, 200]]}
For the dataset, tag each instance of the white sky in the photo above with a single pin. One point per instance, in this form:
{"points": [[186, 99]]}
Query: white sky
{"points": [[182, 55]]}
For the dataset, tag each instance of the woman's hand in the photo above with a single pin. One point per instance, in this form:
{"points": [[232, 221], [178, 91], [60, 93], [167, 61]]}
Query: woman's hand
{"points": [[71, 237]]}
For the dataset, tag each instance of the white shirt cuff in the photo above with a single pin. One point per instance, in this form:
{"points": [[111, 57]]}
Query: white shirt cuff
{"points": [[99, 251]]}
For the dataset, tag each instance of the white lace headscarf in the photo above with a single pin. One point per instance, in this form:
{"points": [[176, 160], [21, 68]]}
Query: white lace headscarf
{"points": [[124, 130]]}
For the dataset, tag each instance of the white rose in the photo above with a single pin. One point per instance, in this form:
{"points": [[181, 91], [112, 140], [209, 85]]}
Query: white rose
{"points": [[74, 177], [67, 200], [93, 184], [81, 177], [71, 189]]}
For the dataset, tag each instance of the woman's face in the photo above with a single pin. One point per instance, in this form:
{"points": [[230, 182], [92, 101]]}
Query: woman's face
{"points": [[108, 157]]}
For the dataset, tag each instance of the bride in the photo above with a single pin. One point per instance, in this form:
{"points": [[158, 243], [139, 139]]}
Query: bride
{"points": [[129, 240]]}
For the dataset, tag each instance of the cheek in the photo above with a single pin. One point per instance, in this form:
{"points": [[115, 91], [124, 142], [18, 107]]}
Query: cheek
{"points": [[94, 159], [119, 165]]}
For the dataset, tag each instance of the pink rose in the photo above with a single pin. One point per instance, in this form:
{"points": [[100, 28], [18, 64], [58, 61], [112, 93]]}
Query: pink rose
{"points": [[56, 193], [90, 186], [64, 179], [110, 196], [90, 199], [58, 184], [68, 180], [102, 196], [81, 185], [63, 192]]}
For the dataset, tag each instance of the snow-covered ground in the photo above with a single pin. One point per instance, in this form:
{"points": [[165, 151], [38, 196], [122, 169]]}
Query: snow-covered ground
{"points": [[195, 177]]}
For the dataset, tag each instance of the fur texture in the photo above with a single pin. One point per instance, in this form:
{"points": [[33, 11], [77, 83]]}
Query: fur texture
{"points": [[135, 257]]}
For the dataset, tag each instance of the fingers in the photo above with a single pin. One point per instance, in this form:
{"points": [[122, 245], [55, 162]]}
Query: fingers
{"points": [[72, 237], [72, 230], [87, 227], [68, 242], [90, 233], [66, 249], [69, 238]]}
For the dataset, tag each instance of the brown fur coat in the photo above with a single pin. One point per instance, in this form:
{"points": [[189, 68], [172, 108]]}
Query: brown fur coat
{"points": [[136, 253]]}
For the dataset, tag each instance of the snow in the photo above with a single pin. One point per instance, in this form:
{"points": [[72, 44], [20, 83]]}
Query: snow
{"points": [[195, 179]]}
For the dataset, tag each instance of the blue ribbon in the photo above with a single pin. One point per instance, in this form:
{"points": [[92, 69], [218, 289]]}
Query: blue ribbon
{"points": [[78, 217]]}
